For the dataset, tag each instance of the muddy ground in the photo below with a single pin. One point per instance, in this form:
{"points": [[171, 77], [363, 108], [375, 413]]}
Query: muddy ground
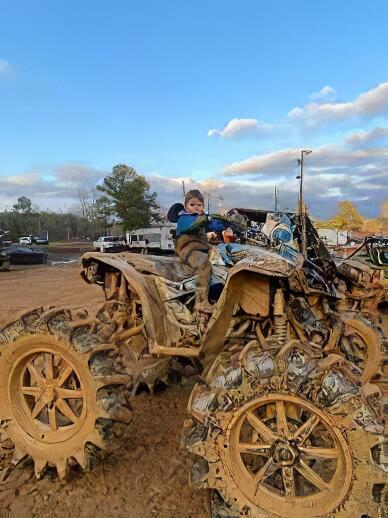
{"points": [[146, 475]]}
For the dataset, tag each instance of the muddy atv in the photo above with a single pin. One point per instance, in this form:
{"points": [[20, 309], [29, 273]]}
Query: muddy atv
{"points": [[289, 415]]}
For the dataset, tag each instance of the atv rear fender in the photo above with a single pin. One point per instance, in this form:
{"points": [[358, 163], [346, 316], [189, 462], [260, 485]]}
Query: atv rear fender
{"points": [[157, 327]]}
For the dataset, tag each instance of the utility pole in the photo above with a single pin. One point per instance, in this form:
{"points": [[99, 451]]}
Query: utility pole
{"points": [[301, 204], [183, 188], [276, 199]]}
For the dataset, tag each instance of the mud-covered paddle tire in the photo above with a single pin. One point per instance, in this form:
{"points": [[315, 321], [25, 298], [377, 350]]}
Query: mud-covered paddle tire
{"points": [[62, 394], [270, 445]]}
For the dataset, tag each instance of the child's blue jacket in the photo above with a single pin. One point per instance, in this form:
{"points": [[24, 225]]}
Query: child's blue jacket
{"points": [[187, 224]]}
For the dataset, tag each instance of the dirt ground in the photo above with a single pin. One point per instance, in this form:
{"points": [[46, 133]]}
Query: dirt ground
{"points": [[25, 287], [146, 475]]}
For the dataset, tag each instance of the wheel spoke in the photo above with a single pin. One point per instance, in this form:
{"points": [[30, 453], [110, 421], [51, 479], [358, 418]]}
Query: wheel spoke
{"points": [[35, 374], [64, 375], [69, 393], [52, 418], [323, 453], [288, 480], [255, 449], [39, 406], [293, 412], [66, 410], [31, 391], [262, 473], [312, 476], [305, 430], [261, 428], [48, 367], [281, 419]]}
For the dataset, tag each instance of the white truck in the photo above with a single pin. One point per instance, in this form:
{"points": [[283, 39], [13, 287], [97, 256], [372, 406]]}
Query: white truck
{"points": [[153, 240], [109, 244], [34, 240], [26, 240]]}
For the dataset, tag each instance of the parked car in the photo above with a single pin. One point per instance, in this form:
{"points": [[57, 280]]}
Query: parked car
{"points": [[41, 240], [26, 255], [109, 244]]}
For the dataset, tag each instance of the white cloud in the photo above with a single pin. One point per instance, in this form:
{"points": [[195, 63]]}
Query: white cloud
{"points": [[361, 137], [50, 188], [240, 127], [338, 156], [368, 104], [265, 163], [19, 180], [77, 175], [5, 68], [327, 93], [334, 172], [322, 108]]}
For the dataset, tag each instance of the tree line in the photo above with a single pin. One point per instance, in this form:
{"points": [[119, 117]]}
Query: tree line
{"points": [[124, 198], [60, 226]]}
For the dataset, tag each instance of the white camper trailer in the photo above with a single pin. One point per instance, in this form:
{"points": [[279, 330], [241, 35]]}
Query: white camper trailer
{"points": [[153, 240]]}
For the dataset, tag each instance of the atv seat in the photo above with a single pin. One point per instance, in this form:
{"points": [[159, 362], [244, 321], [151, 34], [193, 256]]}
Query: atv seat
{"points": [[169, 267]]}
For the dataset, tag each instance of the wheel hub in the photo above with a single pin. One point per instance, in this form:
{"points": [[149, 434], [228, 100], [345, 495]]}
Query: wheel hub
{"points": [[284, 454], [49, 394]]}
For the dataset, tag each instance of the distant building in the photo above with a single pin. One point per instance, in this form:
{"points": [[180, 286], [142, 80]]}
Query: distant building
{"points": [[332, 236]]}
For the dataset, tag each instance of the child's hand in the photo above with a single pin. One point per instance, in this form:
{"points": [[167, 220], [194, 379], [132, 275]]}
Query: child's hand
{"points": [[201, 219]]}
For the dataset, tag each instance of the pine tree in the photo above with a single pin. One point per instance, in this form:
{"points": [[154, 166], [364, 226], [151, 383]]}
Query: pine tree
{"points": [[127, 199]]}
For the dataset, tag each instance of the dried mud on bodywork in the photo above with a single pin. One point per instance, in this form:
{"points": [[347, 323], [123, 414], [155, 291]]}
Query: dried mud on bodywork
{"points": [[289, 412]]}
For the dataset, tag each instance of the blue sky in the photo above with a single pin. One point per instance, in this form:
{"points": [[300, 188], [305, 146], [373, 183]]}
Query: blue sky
{"points": [[221, 93]]}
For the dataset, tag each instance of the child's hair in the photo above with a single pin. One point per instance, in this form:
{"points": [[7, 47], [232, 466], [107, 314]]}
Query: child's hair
{"points": [[194, 193]]}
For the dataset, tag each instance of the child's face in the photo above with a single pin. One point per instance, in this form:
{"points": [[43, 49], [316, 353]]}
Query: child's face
{"points": [[194, 206]]}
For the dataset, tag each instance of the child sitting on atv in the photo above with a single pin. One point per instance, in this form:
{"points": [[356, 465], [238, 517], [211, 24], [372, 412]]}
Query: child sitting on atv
{"points": [[192, 245]]}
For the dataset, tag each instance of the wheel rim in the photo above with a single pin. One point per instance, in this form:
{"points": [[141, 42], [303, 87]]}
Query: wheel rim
{"points": [[285, 454], [47, 394]]}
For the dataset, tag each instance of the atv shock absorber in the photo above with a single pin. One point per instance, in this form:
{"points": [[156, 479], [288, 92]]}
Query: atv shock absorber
{"points": [[280, 318]]}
